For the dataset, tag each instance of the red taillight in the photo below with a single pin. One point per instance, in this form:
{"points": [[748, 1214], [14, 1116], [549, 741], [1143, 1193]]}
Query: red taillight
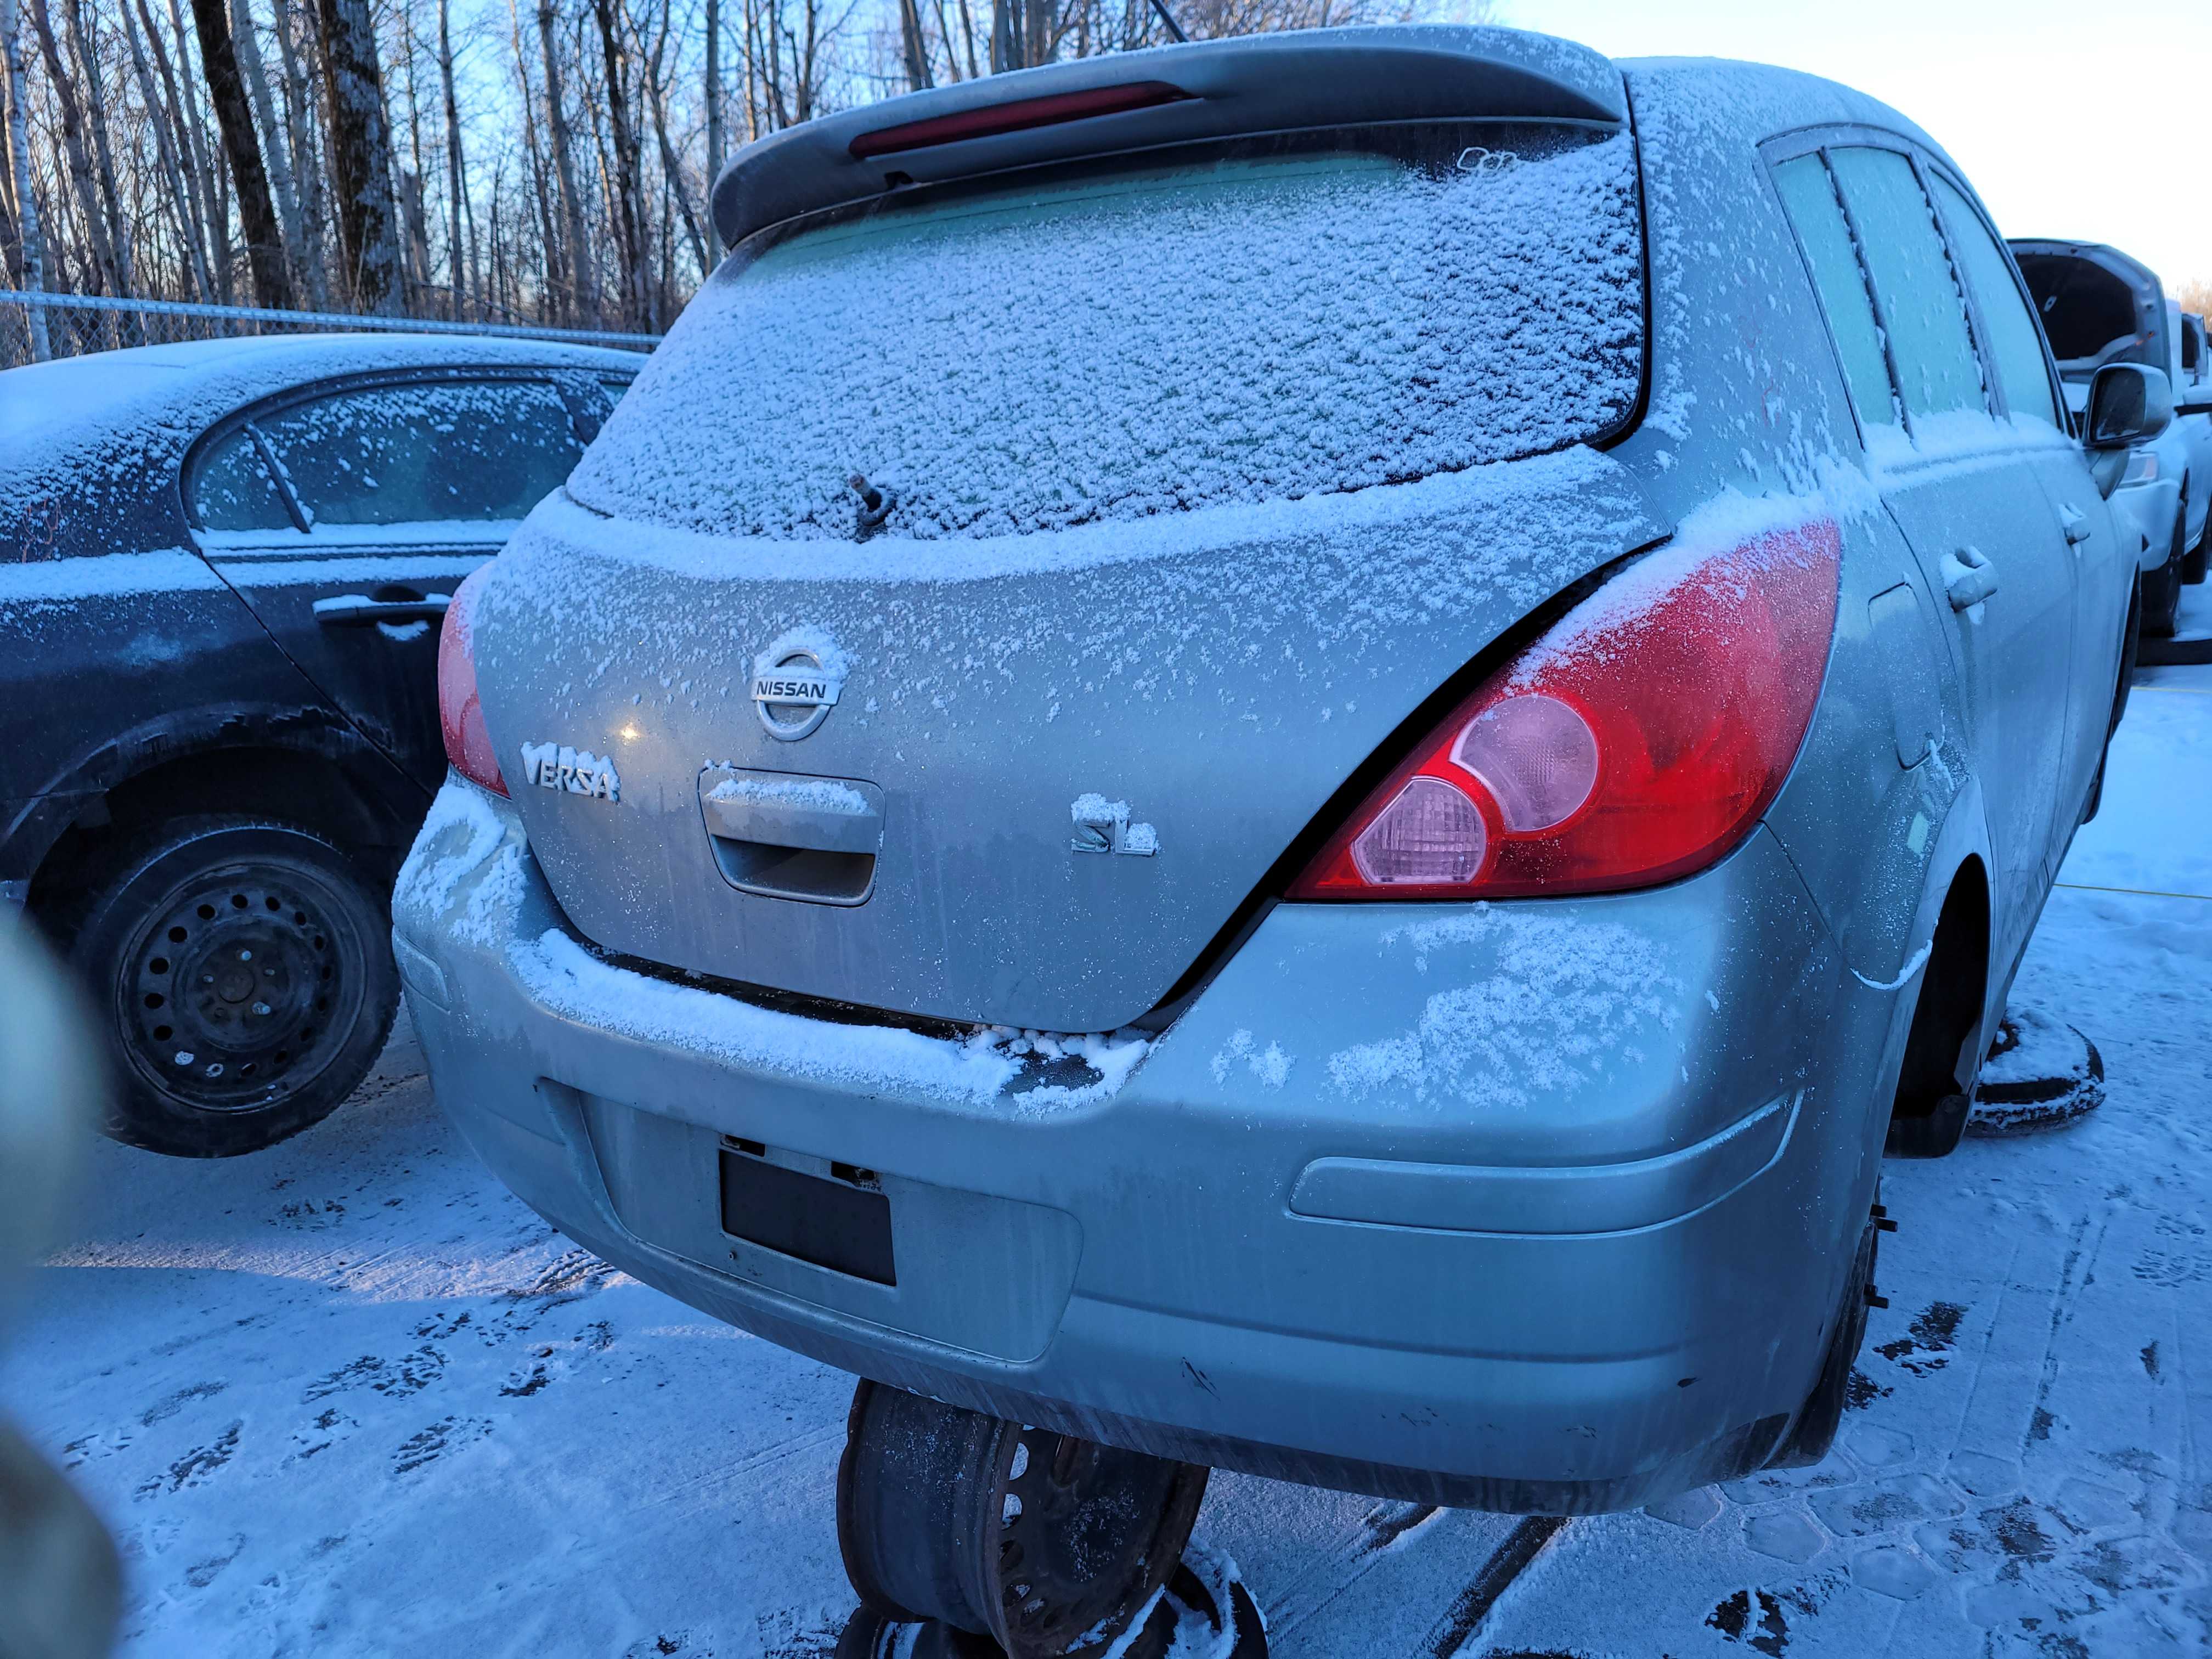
{"points": [[461, 711], [1636, 741], [1016, 115]]}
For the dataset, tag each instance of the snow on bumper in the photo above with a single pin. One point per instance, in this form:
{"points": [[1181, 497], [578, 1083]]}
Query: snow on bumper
{"points": [[1525, 1205]]}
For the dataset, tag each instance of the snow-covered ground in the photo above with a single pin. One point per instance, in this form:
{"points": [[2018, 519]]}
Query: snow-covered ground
{"points": [[350, 1398]]}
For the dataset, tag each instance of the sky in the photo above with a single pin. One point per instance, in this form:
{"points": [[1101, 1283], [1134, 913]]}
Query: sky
{"points": [[2100, 130]]}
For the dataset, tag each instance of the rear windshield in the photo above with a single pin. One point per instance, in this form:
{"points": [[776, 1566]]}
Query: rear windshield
{"points": [[1243, 327]]}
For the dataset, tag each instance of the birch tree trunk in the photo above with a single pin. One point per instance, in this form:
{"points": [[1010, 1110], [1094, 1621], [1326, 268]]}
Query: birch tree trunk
{"points": [[455, 170], [629, 213], [247, 44], [714, 136], [360, 153], [917, 54], [214, 176], [306, 164], [583, 288], [95, 98], [30, 239], [101, 256], [186, 204], [257, 215]]}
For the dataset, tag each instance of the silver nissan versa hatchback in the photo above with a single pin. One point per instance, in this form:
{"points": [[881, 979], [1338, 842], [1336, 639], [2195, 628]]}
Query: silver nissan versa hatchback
{"points": [[1282, 754]]}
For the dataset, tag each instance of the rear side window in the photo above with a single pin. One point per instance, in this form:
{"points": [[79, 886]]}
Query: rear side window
{"points": [[1257, 322], [232, 488], [2014, 341], [1930, 343], [2192, 348], [1809, 196], [471, 450]]}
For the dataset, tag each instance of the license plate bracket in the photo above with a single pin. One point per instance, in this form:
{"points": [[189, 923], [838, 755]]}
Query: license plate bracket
{"points": [[840, 1225]]}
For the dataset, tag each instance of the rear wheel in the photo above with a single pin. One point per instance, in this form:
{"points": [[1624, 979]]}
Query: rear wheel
{"points": [[1814, 1430], [245, 979], [1043, 1543]]}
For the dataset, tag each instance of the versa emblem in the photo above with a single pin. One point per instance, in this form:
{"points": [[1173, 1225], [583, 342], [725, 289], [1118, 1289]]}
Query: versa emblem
{"points": [[576, 771], [796, 694]]}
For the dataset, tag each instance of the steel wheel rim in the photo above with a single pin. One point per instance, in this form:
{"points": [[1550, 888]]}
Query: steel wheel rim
{"points": [[240, 987]]}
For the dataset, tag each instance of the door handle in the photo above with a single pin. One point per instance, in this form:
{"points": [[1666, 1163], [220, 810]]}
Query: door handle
{"points": [[359, 610], [2076, 522], [1968, 578]]}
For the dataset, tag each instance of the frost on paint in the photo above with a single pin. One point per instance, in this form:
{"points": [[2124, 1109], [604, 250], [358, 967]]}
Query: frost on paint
{"points": [[1247, 332], [1561, 1004]]}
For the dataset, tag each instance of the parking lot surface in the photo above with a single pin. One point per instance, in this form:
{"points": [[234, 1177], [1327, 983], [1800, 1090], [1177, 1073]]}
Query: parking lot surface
{"points": [[350, 1397]]}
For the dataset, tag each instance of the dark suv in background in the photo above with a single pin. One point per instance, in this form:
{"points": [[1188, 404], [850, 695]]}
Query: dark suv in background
{"points": [[222, 568]]}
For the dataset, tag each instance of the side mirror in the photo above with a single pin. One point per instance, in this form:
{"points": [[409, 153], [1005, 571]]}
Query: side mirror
{"points": [[2128, 403]]}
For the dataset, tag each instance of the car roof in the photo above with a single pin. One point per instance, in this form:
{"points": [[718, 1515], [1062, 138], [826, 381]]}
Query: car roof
{"points": [[99, 436]]}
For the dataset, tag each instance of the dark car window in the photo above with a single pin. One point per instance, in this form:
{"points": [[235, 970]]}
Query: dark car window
{"points": [[1930, 342], [2192, 348], [1810, 196], [436, 450], [232, 488], [2014, 341]]}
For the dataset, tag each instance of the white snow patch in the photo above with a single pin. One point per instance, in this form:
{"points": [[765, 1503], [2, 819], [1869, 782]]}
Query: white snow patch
{"points": [[1270, 1065], [812, 794], [815, 641], [44, 582], [456, 836], [1562, 999], [1730, 532], [569, 980]]}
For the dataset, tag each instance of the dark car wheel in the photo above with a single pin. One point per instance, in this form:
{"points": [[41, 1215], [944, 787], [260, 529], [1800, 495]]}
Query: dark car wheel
{"points": [[244, 977], [2161, 592], [2192, 566]]}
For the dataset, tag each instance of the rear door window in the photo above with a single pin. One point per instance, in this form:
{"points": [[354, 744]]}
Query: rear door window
{"points": [[2013, 337], [1915, 288], [425, 452], [232, 488], [1809, 196]]}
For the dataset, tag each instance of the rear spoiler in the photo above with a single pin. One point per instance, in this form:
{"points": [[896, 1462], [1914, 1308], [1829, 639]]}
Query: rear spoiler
{"points": [[1164, 95]]}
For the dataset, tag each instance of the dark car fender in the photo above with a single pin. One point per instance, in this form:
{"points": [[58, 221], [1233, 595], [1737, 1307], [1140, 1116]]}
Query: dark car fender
{"points": [[220, 758]]}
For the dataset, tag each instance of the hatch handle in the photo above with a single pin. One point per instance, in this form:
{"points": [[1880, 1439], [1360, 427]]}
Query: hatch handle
{"points": [[784, 809]]}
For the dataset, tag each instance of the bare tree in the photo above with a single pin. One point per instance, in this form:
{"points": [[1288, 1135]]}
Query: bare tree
{"points": [[102, 264], [455, 188], [629, 173], [184, 202], [360, 152], [583, 291], [30, 243], [265, 242], [245, 41]]}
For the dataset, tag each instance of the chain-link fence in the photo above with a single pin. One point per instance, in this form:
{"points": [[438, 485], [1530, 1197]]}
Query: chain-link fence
{"points": [[74, 323]]}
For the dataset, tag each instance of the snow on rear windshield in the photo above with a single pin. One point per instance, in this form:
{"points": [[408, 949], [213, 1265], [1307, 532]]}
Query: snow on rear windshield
{"points": [[1243, 330]]}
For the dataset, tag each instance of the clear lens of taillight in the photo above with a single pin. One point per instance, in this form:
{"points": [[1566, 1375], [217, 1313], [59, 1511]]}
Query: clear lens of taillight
{"points": [[461, 711], [1636, 741]]}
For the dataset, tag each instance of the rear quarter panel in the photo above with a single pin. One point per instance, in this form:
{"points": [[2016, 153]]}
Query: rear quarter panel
{"points": [[125, 646]]}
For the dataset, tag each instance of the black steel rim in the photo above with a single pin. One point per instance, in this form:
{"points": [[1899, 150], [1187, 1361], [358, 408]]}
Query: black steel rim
{"points": [[240, 987], [1047, 1543]]}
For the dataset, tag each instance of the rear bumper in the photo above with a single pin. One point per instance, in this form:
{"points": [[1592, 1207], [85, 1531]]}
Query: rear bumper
{"points": [[1544, 1206]]}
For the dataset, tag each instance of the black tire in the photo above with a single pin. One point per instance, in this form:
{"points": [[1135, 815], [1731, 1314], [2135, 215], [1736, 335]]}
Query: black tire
{"points": [[2161, 592], [242, 971], [2193, 565], [1814, 1430]]}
